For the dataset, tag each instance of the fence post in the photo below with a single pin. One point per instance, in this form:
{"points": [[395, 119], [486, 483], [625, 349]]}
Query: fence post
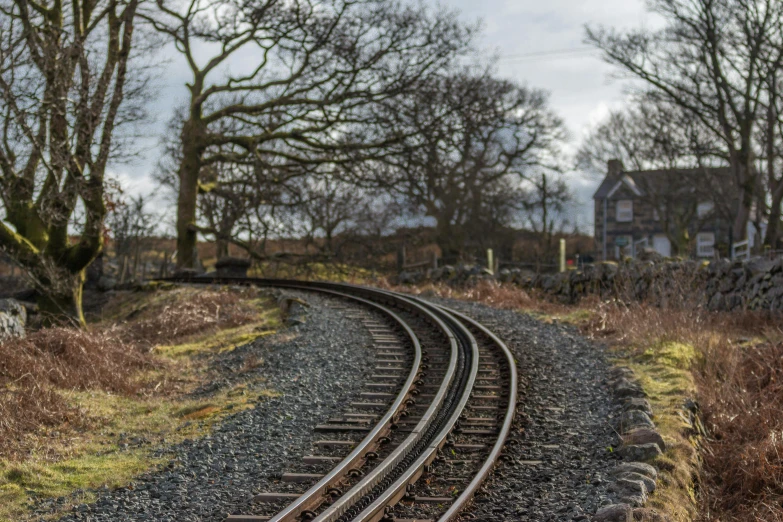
{"points": [[490, 262], [562, 255], [401, 258]]}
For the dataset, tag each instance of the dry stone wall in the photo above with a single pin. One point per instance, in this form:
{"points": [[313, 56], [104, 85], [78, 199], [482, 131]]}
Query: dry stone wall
{"points": [[721, 285]]}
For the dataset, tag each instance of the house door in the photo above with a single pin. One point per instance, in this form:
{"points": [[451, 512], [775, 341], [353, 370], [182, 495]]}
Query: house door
{"points": [[662, 245]]}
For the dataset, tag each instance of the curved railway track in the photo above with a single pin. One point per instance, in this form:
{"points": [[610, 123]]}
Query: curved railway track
{"points": [[425, 434]]}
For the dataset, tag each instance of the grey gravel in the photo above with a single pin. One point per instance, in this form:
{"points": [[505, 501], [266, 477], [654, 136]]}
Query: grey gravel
{"points": [[317, 365], [565, 420]]}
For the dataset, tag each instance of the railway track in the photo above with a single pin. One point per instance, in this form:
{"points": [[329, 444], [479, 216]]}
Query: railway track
{"points": [[428, 429]]}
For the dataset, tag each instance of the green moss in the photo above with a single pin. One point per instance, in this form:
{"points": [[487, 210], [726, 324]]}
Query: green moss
{"points": [[21, 483], [663, 372]]}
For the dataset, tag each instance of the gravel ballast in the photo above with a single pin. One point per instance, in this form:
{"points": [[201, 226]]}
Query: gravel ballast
{"points": [[317, 367], [558, 468], [559, 465]]}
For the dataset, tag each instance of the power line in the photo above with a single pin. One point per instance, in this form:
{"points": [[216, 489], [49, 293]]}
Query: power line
{"points": [[553, 53]]}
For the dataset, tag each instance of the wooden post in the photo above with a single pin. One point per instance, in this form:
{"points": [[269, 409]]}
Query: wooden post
{"points": [[401, 258], [124, 269], [490, 261], [562, 255], [434, 260]]}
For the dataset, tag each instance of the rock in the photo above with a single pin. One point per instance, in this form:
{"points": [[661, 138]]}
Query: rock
{"points": [[635, 467], [614, 513], [648, 515], [633, 419], [232, 267], [106, 283], [638, 404], [639, 452], [620, 372], [632, 492], [625, 388], [649, 484], [644, 436], [293, 309], [13, 317]]}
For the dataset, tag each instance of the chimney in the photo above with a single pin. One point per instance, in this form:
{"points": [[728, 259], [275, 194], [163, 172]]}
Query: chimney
{"points": [[614, 167]]}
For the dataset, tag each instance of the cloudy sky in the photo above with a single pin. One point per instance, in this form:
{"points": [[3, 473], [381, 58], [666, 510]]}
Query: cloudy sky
{"points": [[538, 42]]}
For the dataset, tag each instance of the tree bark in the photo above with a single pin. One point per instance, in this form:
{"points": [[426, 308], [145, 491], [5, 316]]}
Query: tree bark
{"points": [[189, 169], [773, 226], [63, 301]]}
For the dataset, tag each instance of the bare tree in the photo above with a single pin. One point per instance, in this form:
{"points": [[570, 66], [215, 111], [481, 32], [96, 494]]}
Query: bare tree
{"points": [[710, 60], [319, 64], [471, 138], [63, 69], [546, 202]]}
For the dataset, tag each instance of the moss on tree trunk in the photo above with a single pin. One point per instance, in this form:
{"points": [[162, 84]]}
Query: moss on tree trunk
{"points": [[64, 301]]}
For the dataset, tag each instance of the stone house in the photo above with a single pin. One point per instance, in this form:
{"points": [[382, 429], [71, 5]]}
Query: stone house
{"points": [[674, 212]]}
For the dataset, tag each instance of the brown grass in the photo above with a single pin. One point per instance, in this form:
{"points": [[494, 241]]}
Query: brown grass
{"points": [[489, 292], [111, 356], [737, 372]]}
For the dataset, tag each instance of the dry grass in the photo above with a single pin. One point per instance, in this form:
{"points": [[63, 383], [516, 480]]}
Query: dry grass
{"points": [[489, 292], [737, 369], [112, 357], [731, 362]]}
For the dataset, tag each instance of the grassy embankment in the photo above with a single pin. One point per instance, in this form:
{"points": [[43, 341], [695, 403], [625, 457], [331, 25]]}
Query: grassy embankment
{"points": [[81, 410], [731, 365]]}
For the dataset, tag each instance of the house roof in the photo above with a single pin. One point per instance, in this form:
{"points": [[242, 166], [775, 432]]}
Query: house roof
{"points": [[637, 180]]}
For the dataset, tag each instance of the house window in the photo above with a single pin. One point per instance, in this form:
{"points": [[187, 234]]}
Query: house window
{"points": [[623, 246], [705, 244], [704, 209], [624, 210]]}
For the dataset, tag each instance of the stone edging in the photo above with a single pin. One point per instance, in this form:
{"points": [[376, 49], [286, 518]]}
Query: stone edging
{"points": [[633, 479]]}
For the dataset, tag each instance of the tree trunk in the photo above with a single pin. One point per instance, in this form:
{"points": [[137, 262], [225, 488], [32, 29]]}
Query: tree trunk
{"points": [[773, 226], [63, 301], [189, 169], [221, 248], [747, 188]]}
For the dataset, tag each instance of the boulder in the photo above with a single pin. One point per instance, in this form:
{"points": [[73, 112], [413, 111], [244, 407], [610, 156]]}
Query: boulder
{"points": [[649, 483], [644, 436], [13, 317], [634, 419], [638, 404], [629, 491], [614, 513], [639, 452], [635, 467], [625, 388]]}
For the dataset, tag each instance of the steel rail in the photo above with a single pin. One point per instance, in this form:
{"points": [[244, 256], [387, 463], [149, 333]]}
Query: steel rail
{"points": [[316, 493], [489, 463], [452, 325], [396, 490]]}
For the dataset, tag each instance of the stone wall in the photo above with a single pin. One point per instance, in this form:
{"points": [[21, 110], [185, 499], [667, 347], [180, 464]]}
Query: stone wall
{"points": [[12, 319], [756, 284]]}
